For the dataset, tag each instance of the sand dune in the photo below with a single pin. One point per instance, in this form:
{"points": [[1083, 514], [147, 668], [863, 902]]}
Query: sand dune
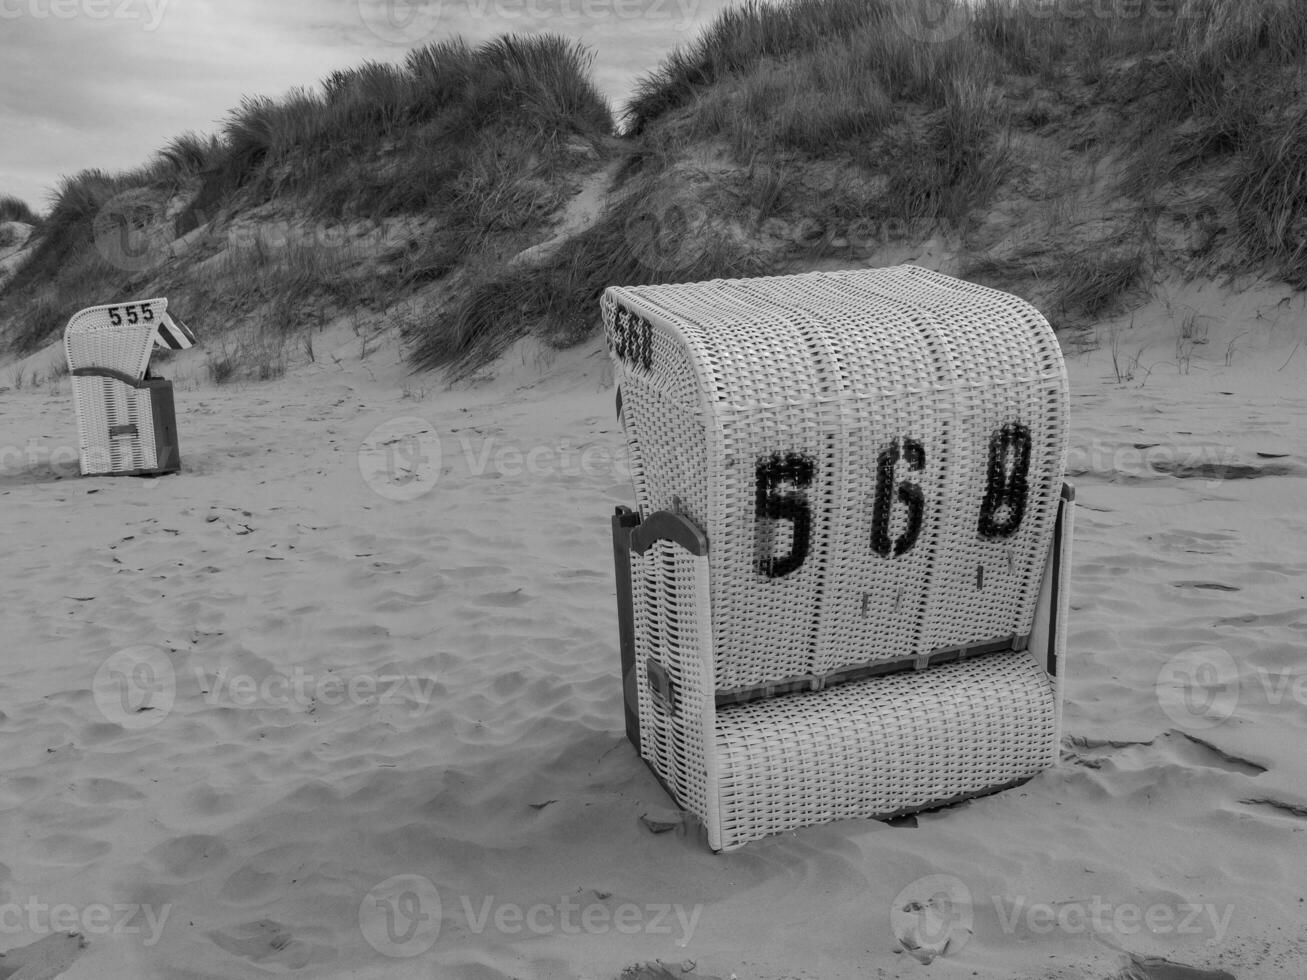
{"points": [[341, 699]]}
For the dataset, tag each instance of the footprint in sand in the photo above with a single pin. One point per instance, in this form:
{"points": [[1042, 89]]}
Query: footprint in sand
{"points": [[580, 573], [932, 917], [1278, 807], [658, 970], [1156, 968], [1173, 749], [265, 942], [503, 600], [42, 960]]}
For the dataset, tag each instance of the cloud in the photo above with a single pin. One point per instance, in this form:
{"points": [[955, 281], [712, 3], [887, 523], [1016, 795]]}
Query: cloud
{"points": [[106, 83]]}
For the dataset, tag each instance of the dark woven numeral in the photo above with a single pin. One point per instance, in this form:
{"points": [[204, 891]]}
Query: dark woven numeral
{"points": [[781, 482], [619, 333], [633, 339], [909, 494], [646, 344], [1006, 487]]}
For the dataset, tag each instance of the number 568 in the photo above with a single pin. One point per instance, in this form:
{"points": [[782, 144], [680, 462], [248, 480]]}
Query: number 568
{"points": [[782, 481]]}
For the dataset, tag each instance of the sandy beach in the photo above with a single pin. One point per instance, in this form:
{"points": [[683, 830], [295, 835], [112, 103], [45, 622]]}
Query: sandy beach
{"points": [[342, 699]]}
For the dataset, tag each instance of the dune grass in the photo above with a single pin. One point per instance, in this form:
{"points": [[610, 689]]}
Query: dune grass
{"points": [[787, 132], [446, 97], [815, 74], [557, 299], [191, 153], [1269, 190], [737, 42], [16, 209], [67, 228], [64, 272], [476, 137]]}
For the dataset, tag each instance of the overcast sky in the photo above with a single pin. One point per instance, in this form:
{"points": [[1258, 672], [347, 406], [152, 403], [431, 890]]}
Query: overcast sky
{"points": [[105, 83]]}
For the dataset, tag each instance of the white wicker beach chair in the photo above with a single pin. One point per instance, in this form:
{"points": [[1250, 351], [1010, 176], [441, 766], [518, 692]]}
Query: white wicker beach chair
{"points": [[126, 422], [843, 593]]}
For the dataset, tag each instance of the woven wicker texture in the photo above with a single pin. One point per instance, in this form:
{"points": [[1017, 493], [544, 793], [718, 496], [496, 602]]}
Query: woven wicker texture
{"points": [[875, 457], [884, 746], [670, 618], [114, 420], [831, 382]]}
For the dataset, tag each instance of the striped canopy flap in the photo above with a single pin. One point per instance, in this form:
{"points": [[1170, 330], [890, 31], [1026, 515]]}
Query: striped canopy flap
{"points": [[173, 333], [121, 336]]}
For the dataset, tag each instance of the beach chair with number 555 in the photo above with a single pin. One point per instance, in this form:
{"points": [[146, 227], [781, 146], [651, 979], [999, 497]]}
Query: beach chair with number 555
{"points": [[126, 421], [842, 593]]}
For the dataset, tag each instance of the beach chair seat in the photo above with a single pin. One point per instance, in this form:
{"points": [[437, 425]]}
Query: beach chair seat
{"points": [[126, 420], [842, 592]]}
